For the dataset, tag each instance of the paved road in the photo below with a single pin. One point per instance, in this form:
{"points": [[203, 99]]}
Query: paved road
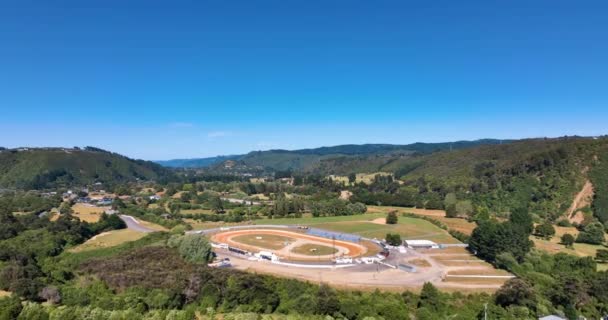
{"points": [[133, 224]]}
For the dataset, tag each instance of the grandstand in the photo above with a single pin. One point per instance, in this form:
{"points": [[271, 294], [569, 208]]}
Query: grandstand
{"points": [[333, 235]]}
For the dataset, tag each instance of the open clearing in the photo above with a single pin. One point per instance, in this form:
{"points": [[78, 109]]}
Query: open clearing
{"points": [[553, 246], [366, 225], [457, 224], [266, 241], [109, 239], [88, 213], [314, 250], [4, 293]]}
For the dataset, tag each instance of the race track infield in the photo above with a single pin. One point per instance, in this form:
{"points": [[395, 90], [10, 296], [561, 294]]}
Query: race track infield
{"points": [[278, 241]]}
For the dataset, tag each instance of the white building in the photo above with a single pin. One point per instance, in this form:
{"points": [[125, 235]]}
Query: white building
{"points": [[421, 244]]}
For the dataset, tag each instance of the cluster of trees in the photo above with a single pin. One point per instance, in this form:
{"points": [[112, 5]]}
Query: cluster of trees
{"points": [[26, 241], [335, 207], [491, 239]]}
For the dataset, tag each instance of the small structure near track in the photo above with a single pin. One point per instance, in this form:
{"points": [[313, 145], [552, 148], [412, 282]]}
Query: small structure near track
{"points": [[421, 244]]}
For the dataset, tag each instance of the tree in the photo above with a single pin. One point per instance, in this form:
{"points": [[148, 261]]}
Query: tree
{"points": [[450, 211], [391, 217], [592, 234], [352, 178], [601, 255], [521, 218], [327, 300], [216, 204], [567, 240], [515, 292], [193, 247], [393, 239], [491, 238], [545, 230], [431, 298]]}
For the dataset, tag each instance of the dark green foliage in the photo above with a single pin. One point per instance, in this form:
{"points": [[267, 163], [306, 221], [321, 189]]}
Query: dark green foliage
{"points": [[450, 211], [592, 234], [516, 292], [601, 255], [327, 300], [491, 238], [391, 218], [599, 179], [10, 307], [193, 248], [51, 168], [393, 239], [545, 230], [520, 218], [567, 240]]}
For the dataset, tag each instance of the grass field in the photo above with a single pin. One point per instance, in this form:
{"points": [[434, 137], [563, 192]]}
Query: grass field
{"points": [[87, 213], [109, 239], [457, 224], [366, 178], [4, 293], [602, 267], [408, 228], [196, 211], [267, 241], [554, 246], [314, 250]]}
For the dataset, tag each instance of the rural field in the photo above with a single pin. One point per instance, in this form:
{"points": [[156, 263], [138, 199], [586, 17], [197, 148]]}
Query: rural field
{"points": [[457, 224], [370, 225], [88, 213], [109, 239]]}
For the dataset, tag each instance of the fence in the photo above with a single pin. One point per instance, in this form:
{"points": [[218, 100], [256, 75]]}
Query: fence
{"points": [[334, 235]]}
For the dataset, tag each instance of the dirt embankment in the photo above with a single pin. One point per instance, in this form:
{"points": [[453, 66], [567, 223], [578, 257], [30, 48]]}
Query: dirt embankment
{"points": [[581, 200]]}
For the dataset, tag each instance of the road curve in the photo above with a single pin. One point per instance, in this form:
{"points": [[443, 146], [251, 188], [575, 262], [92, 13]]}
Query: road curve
{"points": [[133, 224]]}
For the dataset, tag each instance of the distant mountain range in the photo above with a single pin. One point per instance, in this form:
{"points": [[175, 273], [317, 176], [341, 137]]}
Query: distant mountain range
{"points": [[306, 159]]}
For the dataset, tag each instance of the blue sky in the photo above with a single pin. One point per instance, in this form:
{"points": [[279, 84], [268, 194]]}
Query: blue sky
{"points": [[175, 79]]}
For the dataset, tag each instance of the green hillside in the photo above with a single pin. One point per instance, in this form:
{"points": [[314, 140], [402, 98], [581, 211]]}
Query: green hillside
{"points": [[331, 160], [54, 167]]}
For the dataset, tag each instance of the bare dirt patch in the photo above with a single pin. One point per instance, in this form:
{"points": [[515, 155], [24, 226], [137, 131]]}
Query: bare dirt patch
{"points": [[379, 221], [581, 200]]}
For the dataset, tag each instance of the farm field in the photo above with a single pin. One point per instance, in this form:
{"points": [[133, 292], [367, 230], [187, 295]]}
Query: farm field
{"points": [[109, 239], [88, 213], [457, 224]]}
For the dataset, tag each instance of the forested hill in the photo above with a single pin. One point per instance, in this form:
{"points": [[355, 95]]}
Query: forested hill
{"points": [[309, 159], [40, 168]]}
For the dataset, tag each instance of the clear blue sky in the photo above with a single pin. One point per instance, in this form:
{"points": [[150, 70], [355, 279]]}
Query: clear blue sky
{"points": [[173, 79]]}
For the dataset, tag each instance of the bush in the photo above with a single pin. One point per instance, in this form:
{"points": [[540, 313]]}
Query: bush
{"points": [[391, 218], [592, 234], [564, 223], [545, 230], [393, 239], [567, 240]]}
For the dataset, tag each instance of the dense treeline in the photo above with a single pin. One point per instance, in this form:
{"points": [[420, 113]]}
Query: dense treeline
{"points": [[26, 241]]}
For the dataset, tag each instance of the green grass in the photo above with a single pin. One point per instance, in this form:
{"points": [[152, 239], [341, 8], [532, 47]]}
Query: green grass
{"points": [[109, 239], [267, 241], [314, 250], [408, 228]]}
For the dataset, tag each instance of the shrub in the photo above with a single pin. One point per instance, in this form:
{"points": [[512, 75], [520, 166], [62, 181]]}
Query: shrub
{"points": [[393, 239], [391, 218], [567, 240]]}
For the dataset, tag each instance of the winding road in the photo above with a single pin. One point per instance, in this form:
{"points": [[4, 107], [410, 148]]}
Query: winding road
{"points": [[134, 224]]}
